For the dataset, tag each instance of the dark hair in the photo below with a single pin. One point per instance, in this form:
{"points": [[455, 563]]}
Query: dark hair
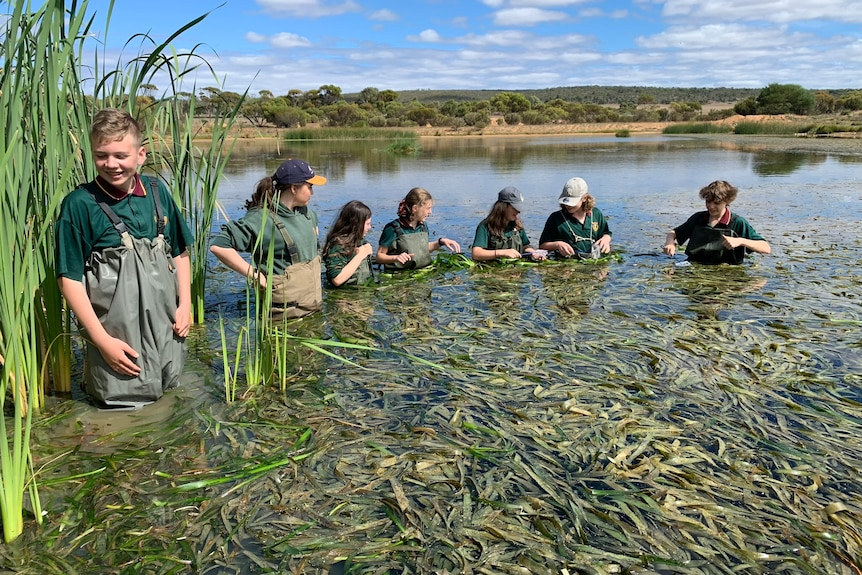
{"points": [[497, 220], [265, 193], [348, 228], [719, 191], [415, 197]]}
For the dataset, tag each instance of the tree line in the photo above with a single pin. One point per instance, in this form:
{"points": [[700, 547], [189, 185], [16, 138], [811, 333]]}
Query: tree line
{"points": [[372, 107]]}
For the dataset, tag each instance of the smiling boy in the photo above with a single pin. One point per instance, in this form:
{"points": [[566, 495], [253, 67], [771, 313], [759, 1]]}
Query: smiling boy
{"points": [[123, 267]]}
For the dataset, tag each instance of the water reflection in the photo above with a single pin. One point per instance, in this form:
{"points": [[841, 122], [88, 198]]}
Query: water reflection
{"points": [[711, 289], [782, 163]]}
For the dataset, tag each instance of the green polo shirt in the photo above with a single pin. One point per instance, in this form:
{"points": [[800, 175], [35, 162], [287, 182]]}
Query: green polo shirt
{"points": [[388, 236], [337, 258], [83, 227], [483, 238], [561, 226], [256, 233]]}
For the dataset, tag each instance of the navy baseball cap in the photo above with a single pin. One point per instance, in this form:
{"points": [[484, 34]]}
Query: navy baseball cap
{"points": [[293, 171]]}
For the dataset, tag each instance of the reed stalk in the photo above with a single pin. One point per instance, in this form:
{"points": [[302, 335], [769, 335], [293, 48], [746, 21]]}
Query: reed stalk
{"points": [[44, 153], [36, 52]]}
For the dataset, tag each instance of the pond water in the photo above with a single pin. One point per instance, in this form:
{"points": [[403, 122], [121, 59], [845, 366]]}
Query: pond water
{"points": [[632, 416]]}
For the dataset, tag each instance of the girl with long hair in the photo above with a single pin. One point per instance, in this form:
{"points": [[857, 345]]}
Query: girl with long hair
{"points": [[346, 252], [501, 234]]}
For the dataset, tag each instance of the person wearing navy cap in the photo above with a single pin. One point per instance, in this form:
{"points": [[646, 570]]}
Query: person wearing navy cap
{"points": [[279, 226]]}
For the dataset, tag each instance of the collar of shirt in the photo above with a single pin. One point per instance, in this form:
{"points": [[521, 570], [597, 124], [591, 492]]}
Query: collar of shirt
{"points": [[118, 194]]}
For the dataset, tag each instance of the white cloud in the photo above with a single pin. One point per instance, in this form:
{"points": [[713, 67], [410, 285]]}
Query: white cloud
{"points": [[384, 15], [781, 11], [526, 16], [255, 38], [426, 36], [308, 8], [289, 40]]}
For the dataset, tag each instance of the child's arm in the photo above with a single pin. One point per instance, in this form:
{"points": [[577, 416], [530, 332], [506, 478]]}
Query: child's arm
{"points": [[485, 255], [670, 243], [232, 259], [362, 252], [383, 257], [450, 245], [759, 246], [117, 354], [183, 318]]}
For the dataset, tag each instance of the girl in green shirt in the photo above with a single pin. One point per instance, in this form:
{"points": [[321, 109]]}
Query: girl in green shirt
{"points": [[346, 253]]}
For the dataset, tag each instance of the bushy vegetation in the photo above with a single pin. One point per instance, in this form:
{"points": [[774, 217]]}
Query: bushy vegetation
{"points": [[375, 108], [697, 128]]}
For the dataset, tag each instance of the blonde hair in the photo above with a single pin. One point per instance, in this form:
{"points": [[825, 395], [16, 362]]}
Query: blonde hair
{"points": [[111, 124], [414, 198]]}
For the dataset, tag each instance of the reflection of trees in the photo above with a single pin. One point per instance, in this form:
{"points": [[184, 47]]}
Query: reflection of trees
{"points": [[783, 163]]}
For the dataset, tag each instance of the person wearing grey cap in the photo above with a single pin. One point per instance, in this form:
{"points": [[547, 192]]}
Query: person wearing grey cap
{"points": [[578, 228], [501, 234], [278, 225]]}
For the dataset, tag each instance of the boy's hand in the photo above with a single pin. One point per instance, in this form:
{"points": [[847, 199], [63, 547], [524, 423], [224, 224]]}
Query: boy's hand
{"points": [[120, 356], [183, 321]]}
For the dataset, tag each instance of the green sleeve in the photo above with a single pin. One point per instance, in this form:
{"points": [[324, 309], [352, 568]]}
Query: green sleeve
{"points": [[744, 229], [335, 261], [387, 237], [480, 240], [524, 239]]}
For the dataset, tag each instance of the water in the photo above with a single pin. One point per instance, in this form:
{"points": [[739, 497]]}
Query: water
{"points": [[581, 416]]}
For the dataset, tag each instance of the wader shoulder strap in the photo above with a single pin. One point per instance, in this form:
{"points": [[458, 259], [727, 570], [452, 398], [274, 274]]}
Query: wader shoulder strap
{"points": [[161, 218], [291, 245], [399, 231]]}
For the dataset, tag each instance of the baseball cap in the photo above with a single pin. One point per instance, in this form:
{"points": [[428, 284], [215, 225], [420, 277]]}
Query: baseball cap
{"points": [[511, 196], [573, 191], [293, 171]]}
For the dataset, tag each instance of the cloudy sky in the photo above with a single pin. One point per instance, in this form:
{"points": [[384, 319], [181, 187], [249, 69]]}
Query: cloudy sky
{"points": [[278, 45]]}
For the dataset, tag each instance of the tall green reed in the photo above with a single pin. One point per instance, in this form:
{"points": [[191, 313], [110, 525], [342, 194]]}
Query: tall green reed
{"points": [[44, 153], [37, 160], [194, 165]]}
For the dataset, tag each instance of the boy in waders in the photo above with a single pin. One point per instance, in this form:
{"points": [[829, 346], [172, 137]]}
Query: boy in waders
{"points": [[123, 267], [716, 236]]}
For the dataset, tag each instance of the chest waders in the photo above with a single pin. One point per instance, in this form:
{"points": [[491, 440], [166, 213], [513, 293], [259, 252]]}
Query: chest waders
{"points": [[705, 246], [363, 273], [298, 291], [416, 244], [512, 242], [134, 292]]}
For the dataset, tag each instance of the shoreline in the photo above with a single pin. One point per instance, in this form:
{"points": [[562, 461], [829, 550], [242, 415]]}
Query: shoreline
{"points": [[839, 143]]}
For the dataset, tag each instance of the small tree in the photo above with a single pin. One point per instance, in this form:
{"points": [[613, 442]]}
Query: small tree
{"points": [[785, 99]]}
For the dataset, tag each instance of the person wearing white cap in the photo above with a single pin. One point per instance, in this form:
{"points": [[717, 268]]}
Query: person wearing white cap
{"points": [[578, 228], [501, 234], [278, 226]]}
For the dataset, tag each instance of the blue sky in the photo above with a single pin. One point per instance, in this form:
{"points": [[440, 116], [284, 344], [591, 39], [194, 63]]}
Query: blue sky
{"points": [[279, 45]]}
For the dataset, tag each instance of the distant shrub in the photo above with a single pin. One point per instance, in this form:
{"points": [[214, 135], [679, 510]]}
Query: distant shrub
{"points": [[770, 128], [622, 133], [512, 118], [403, 147], [697, 128]]}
